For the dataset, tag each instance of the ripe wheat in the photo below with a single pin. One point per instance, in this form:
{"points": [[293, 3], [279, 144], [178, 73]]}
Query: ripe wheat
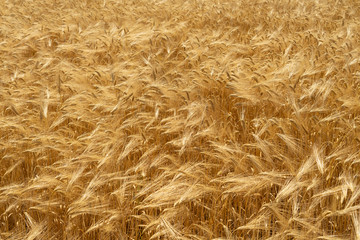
{"points": [[198, 119]]}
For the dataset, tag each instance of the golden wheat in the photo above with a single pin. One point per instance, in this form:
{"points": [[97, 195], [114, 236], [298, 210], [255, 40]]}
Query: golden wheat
{"points": [[199, 119]]}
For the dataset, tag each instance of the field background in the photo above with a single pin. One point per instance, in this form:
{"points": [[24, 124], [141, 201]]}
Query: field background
{"points": [[179, 119]]}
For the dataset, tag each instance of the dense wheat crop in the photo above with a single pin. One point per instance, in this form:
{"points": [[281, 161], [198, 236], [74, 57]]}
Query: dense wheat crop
{"points": [[198, 119]]}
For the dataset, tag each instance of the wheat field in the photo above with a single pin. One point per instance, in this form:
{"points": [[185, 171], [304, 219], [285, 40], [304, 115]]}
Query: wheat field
{"points": [[174, 119]]}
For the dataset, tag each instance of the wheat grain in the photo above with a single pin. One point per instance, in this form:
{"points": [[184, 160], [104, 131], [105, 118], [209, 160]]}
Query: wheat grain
{"points": [[179, 119]]}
